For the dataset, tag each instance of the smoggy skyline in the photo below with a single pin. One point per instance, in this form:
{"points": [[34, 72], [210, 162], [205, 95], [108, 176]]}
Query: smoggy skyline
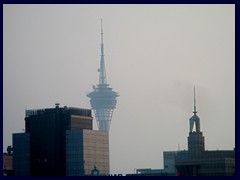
{"points": [[154, 56]]}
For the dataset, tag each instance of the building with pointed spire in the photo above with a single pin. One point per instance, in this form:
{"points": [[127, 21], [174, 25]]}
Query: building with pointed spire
{"points": [[103, 98], [199, 162], [196, 161], [196, 143]]}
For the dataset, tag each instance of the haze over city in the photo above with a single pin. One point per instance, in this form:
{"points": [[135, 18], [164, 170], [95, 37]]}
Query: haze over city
{"points": [[154, 56]]}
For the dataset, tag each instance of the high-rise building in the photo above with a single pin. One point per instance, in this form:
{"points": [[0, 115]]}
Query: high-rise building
{"points": [[103, 98], [56, 142]]}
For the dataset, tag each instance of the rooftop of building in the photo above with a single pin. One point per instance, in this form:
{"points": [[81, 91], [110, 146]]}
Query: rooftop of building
{"points": [[61, 110]]}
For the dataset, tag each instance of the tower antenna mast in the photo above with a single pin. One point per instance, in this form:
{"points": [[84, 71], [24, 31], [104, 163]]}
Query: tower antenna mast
{"points": [[103, 98], [195, 109], [102, 76]]}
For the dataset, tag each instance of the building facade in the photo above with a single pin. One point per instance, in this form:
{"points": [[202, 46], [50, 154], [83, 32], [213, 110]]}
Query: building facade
{"points": [[87, 146], [47, 141], [211, 163], [21, 154]]}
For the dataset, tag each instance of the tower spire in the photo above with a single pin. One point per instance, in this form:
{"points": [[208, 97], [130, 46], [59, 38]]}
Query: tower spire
{"points": [[101, 32], [102, 76], [103, 99], [195, 109]]}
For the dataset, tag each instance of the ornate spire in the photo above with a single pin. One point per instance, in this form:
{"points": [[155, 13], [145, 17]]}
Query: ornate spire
{"points": [[102, 71], [194, 120]]}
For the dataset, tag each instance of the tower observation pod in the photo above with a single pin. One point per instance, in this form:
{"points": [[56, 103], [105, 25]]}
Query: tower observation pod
{"points": [[103, 98]]}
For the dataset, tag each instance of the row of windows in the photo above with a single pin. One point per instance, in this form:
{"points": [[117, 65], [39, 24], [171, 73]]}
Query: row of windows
{"points": [[102, 140], [73, 158], [93, 133], [96, 154], [100, 148], [90, 152], [78, 150], [97, 140], [77, 139], [99, 155], [94, 137], [99, 160], [218, 174], [210, 154], [81, 123], [87, 156], [86, 150], [87, 161], [95, 143], [81, 112], [102, 162], [214, 165]]}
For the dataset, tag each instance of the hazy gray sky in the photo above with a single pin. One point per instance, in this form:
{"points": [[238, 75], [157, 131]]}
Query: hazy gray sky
{"points": [[154, 55]]}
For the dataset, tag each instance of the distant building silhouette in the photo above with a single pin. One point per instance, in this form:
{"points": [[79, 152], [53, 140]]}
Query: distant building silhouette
{"points": [[60, 142], [198, 162], [103, 98], [195, 161]]}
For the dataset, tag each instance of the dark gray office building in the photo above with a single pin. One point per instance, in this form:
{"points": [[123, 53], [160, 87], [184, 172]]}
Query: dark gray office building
{"points": [[55, 142]]}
